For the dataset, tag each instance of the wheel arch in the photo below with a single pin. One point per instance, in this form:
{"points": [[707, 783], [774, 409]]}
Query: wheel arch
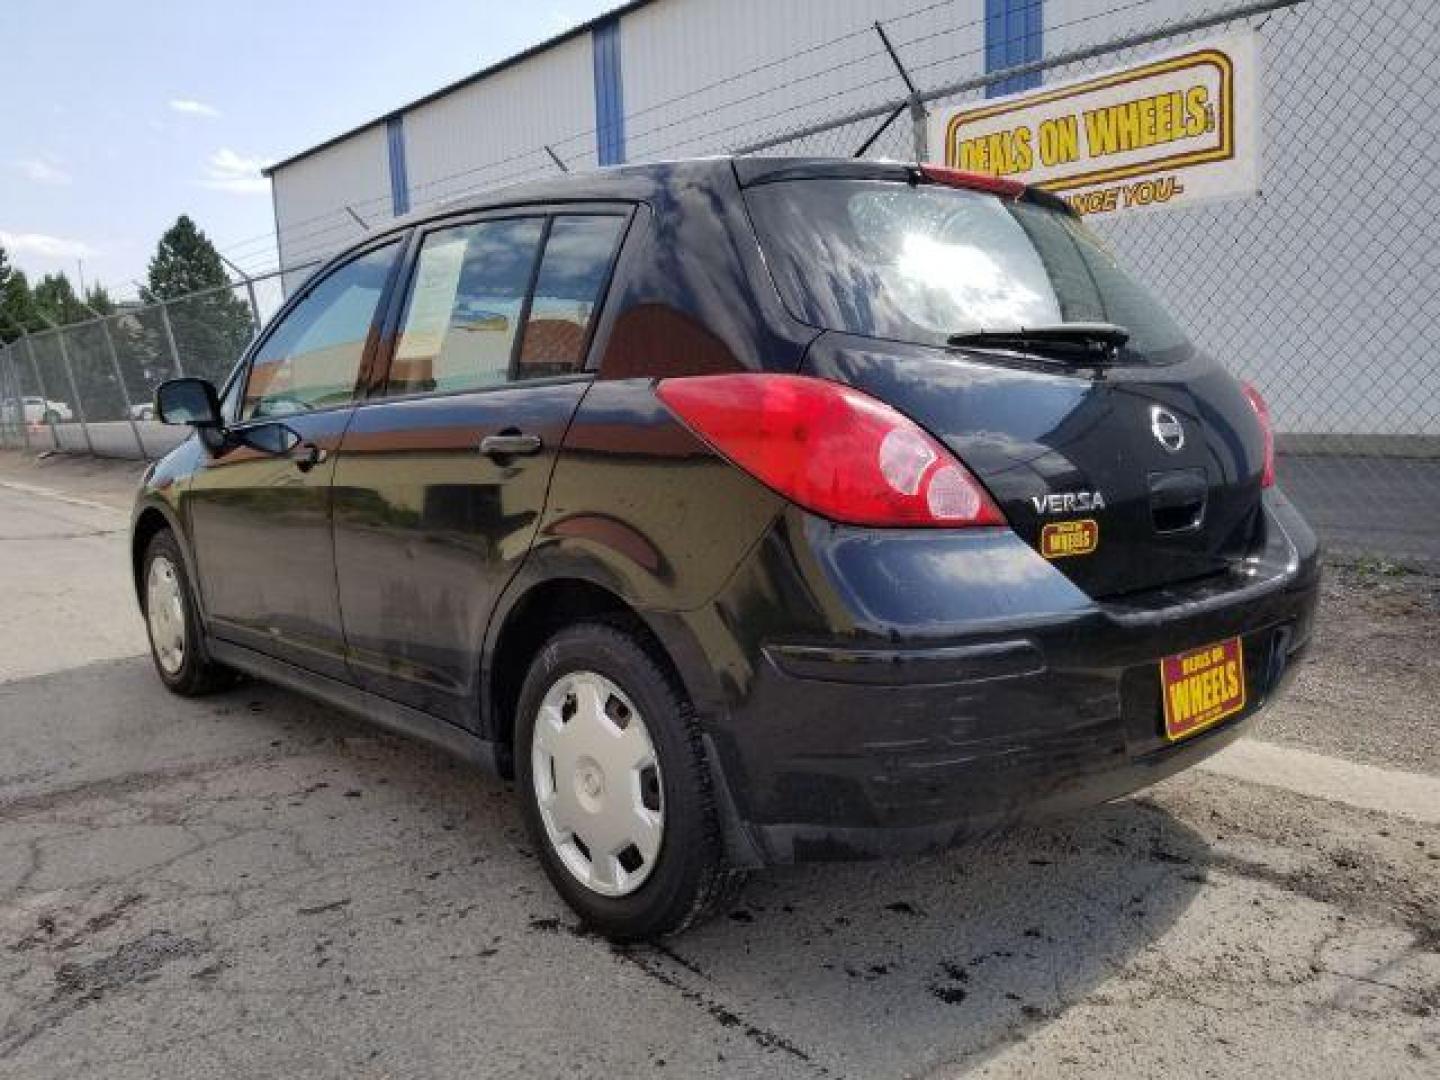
{"points": [[534, 610], [150, 519]]}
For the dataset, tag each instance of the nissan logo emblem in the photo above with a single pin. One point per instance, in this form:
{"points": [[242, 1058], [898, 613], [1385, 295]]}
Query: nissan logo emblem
{"points": [[1166, 429]]}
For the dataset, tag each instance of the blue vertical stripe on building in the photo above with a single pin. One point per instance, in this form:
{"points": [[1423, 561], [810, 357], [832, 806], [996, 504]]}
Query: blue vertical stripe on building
{"points": [[399, 181], [609, 94], [1014, 32]]}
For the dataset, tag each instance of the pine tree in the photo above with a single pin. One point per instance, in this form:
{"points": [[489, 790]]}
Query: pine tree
{"points": [[16, 312], [97, 299], [185, 262], [54, 297], [211, 329], [85, 347]]}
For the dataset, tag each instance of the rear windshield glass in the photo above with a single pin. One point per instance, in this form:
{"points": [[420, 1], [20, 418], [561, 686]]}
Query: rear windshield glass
{"points": [[919, 263]]}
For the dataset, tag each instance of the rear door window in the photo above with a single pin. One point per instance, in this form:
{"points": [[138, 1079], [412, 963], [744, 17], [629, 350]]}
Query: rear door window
{"points": [[465, 306], [501, 300], [579, 252]]}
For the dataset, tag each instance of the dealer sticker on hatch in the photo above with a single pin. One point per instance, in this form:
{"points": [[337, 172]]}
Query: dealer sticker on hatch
{"points": [[1060, 539], [1202, 687]]}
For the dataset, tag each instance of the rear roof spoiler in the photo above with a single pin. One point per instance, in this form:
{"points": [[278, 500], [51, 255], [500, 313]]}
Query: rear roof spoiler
{"points": [[750, 171]]}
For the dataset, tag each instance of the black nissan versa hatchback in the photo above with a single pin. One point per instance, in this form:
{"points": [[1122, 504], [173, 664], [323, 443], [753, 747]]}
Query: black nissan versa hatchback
{"points": [[743, 511]]}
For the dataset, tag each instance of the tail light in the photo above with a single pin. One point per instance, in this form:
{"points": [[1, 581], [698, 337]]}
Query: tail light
{"points": [[1267, 429], [831, 449]]}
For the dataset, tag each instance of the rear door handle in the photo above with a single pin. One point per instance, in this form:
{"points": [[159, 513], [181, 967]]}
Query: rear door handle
{"points": [[509, 444]]}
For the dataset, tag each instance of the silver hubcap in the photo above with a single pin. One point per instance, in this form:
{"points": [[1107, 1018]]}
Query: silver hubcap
{"points": [[597, 783], [165, 613]]}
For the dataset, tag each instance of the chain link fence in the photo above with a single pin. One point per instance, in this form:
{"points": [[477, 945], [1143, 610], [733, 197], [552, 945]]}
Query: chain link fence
{"points": [[1321, 290], [89, 386]]}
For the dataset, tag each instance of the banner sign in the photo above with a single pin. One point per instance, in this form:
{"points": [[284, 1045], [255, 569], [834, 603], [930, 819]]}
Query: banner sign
{"points": [[1175, 130]]}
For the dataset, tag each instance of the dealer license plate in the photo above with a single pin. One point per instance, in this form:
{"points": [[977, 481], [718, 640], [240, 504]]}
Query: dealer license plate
{"points": [[1202, 687]]}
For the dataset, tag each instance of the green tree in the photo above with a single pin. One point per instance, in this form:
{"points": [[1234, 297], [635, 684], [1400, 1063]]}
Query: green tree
{"points": [[54, 298], [210, 328], [16, 309], [86, 348], [97, 299]]}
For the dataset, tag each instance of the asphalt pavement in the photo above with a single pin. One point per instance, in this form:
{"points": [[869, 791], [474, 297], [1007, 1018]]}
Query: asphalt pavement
{"points": [[252, 884]]}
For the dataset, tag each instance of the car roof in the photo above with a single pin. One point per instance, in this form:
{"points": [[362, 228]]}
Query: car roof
{"points": [[628, 182], [617, 182], [641, 182]]}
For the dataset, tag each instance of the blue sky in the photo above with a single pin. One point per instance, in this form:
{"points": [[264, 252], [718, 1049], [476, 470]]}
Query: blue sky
{"points": [[115, 118]]}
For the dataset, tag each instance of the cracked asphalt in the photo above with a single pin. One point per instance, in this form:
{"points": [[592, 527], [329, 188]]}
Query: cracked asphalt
{"points": [[254, 885]]}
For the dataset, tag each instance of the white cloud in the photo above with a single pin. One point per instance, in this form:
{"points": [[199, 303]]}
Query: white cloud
{"points": [[42, 246], [225, 170], [42, 172], [191, 107]]}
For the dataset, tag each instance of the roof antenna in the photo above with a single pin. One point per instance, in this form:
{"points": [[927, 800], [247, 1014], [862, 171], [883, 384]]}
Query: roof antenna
{"points": [[556, 159], [358, 219]]}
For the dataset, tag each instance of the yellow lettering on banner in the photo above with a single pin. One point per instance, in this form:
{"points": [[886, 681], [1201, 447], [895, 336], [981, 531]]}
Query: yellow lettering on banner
{"points": [[1142, 193], [1059, 140], [1148, 121], [1198, 117], [999, 153]]}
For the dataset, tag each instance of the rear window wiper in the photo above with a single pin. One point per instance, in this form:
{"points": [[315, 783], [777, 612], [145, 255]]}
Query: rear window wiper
{"points": [[1076, 342]]}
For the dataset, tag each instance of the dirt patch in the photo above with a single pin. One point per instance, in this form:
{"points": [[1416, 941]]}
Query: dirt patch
{"points": [[135, 961], [1367, 688]]}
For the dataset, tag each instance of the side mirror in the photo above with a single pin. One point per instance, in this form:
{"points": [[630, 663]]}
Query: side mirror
{"points": [[188, 401]]}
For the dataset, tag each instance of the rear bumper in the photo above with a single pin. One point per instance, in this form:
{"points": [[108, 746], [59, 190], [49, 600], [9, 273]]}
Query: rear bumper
{"points": [[907, 692]]}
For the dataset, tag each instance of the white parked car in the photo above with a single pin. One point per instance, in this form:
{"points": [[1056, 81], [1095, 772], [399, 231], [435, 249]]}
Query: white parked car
{"points": [[38, 410]]}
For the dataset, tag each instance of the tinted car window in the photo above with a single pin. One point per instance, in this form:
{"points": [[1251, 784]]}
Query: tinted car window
{"points": [[573, 270], [312, 359], [919, 263], [465, 306]]}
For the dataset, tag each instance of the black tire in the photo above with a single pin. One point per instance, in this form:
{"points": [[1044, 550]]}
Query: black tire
{"points": [[689, 881], [197, 674]]}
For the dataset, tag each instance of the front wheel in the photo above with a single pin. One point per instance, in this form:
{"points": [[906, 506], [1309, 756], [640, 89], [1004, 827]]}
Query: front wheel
{"points": [[176, 643], [615, 786]]}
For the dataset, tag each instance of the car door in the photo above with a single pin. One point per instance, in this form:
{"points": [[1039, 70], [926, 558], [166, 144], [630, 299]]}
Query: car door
{"points": [[259, 508], [442, 476]]}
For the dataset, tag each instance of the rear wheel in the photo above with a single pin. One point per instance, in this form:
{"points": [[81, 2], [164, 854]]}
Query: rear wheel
{"points": [[615, 786], [176, 642]]}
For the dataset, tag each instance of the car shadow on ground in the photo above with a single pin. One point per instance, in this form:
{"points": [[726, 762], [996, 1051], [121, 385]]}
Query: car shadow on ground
{"points": [[890, 967], [360, 857], [897, 967]]}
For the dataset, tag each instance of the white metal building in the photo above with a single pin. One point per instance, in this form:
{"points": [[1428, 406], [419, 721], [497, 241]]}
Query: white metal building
{"points": [[660, 78], [1290, 287]]}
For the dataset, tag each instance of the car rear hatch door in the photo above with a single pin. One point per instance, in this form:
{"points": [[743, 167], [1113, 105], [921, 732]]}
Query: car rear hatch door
{"points": [[1113, 446]]}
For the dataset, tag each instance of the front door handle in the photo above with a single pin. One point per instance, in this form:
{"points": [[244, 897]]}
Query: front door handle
{"points": [[310, 455], [509, 444]]}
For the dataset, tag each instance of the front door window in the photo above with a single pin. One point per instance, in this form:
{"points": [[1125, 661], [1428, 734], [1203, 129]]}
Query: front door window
{"points": [[312, 359]]}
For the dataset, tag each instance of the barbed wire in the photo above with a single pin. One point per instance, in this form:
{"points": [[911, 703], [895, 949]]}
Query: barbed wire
{"points": [[308, 243], [381, 198]]}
